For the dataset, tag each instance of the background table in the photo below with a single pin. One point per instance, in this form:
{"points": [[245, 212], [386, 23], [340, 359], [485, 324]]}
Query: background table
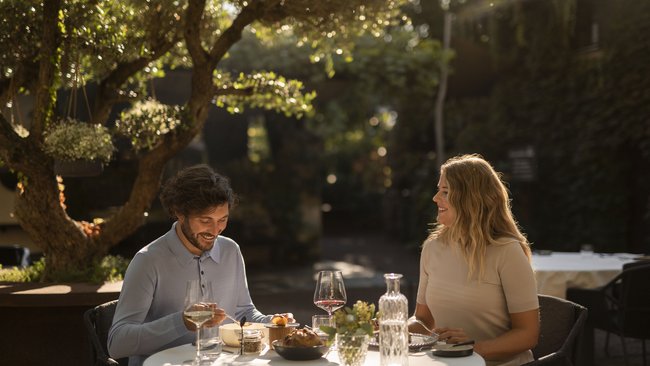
{"points": [[557, 271], [178, 355]]}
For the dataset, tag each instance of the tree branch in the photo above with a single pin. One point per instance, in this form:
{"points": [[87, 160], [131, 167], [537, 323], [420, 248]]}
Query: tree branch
{"points": [[109, 87], [234, 91], [25, 76], [192, 32], [9, 142], [255, 10], [145, 188], [44, 98]]}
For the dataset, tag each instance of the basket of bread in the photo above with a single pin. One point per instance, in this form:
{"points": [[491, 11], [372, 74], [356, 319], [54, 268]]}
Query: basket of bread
{"points": [[300, 345]]}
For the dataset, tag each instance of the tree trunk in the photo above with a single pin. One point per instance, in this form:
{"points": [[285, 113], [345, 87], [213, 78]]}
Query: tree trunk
{"points": [[70, 253], [66, 247]]}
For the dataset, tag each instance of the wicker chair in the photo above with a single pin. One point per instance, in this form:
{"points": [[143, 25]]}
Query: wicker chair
{"points": [[98, 322], [560, 323], [621, 307]]}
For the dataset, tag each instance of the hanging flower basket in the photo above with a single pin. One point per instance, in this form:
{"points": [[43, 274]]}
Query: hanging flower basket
{"points": [[83, 144], [147, 121]]}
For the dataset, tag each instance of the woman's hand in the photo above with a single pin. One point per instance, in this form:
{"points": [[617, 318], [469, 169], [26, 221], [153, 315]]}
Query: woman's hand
{"points": [[422, 321], [451, 335]]}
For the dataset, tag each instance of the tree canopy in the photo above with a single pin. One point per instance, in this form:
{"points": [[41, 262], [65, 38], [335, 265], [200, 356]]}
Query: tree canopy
{"points": [[118, 47]]}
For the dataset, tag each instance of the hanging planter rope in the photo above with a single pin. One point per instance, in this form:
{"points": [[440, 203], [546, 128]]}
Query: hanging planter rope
{"points": [[80, 149]]}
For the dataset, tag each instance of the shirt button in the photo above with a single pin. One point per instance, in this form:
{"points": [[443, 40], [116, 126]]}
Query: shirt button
{"points": [[201, 272]]}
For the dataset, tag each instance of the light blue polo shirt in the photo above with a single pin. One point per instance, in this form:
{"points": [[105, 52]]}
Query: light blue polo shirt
{"points": [[148, 317]]}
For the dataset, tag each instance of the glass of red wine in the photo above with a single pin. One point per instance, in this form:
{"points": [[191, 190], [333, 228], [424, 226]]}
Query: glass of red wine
{"points": [[330, 291]]}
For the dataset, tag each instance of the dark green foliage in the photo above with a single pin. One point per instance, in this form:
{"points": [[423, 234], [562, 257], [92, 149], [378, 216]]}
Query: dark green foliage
{"points": [[586, 112], [109, 269]]}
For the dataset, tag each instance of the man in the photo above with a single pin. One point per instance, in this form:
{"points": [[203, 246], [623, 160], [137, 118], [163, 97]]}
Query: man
{"points": [[149, 314]]}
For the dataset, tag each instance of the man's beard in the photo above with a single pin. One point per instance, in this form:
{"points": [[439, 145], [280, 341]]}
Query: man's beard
{"points": [[193, 238]]}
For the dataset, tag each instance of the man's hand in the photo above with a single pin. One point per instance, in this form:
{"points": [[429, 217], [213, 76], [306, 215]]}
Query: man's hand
{"points": [[282, 319], [218, 315]]}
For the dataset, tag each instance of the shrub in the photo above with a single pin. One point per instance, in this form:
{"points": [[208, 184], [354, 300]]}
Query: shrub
{"points": [[110, 269]]}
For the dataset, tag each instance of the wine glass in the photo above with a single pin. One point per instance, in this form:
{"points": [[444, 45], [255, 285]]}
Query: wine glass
{"points": [[198, 309], [330, 291]]}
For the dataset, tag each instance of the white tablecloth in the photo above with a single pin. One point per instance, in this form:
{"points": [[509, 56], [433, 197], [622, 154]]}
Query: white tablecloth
{"points": [[559, 270], [182, 356]]}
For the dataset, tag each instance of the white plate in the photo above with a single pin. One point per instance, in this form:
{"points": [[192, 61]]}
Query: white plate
{"points": [[289, 325], [418, 341]]}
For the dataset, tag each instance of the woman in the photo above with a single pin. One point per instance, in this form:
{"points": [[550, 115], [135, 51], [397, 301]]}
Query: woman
{"points": [[476, 281]]}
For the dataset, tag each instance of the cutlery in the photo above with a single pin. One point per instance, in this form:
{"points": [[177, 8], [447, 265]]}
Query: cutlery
{"points": [[414, 319], [231, 318], [241, 344]]}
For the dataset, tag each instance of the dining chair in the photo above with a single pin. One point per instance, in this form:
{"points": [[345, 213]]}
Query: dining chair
{"points": [[621, 307], [560, 323], [98, 322]]}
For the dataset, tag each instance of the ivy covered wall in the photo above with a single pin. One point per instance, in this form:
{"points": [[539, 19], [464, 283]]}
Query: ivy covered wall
{"points": [[584, 108]]}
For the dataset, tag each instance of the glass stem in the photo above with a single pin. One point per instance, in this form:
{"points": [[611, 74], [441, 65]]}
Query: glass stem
{"points": [[198, 346]]}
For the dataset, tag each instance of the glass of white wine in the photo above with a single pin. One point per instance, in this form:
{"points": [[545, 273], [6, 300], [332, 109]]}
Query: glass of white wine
{"points": [[198, 309]]}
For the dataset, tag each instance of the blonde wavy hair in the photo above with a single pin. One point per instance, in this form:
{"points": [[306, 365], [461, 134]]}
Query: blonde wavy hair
{"points": [[483, 212]]}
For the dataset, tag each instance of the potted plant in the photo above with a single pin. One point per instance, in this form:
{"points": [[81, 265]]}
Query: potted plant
{"points": [[79, 148], [352, 330]]}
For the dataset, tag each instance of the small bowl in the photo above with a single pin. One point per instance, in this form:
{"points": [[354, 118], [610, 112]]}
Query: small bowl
{"points": [[231, 333], [299, 353], [279, 331]]}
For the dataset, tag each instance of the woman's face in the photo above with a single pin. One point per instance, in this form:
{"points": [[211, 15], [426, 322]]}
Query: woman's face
{"points": [[446, 213]]}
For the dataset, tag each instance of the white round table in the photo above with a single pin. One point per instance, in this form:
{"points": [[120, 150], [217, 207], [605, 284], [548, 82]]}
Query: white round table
{"points": [[557, 271], [183, 355]]}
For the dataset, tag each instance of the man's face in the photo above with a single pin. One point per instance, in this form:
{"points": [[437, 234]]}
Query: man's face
{"points": [[198, 231]]}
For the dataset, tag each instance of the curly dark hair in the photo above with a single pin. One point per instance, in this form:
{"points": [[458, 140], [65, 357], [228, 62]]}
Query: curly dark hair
{"points": [[195, 189]]}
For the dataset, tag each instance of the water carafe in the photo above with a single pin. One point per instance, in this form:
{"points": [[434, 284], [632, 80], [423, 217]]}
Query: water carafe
{"points": [[393, 327]]}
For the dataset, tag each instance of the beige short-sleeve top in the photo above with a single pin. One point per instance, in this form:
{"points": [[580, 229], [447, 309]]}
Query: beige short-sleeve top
{"points": [[480, 307]]}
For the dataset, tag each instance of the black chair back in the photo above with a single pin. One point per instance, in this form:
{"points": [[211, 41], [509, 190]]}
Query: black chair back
{"points": [[635, 300], [98, 321], [561, 322]]}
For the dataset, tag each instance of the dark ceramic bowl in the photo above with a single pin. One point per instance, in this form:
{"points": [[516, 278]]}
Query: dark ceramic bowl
{"points": [[299, 353], [450, 350]]}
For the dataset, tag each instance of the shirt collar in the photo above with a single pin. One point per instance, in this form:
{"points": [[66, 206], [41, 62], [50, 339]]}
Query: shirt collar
{"points": [[183, 255]]}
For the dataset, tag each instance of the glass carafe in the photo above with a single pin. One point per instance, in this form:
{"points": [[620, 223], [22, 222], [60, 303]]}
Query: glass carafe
{"points": [[393, 328]]}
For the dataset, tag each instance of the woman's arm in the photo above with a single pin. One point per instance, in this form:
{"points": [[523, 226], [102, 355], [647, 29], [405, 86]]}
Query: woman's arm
{"points": [[523, 336], [423, 314]]}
